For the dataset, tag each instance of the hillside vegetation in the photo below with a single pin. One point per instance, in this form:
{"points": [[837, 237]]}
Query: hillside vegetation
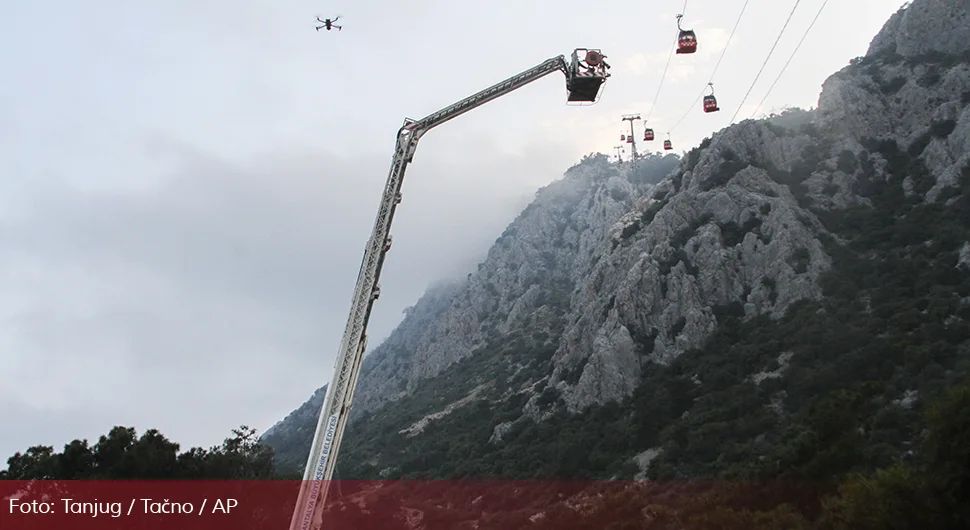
{"points": [[928, 491]]}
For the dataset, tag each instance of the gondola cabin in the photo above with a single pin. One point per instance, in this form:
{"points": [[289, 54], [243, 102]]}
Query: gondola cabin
{"points": [[710, 104], [667, 145], [686, 41], [585, 78], [648, 135], [629, 139], [622, 137]]}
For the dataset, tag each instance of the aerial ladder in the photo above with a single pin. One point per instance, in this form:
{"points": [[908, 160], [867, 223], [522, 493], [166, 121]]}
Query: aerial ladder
{"points": [[585, 76]]}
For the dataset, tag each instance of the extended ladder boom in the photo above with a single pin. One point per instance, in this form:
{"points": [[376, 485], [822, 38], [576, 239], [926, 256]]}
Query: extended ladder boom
{"points": [[583, 82]]}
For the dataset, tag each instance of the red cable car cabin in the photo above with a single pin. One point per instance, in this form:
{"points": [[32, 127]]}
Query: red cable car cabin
{"points": [[622, 137], [710, 104], [667, 145], [629, 139], [687, 41], [648, 135]]}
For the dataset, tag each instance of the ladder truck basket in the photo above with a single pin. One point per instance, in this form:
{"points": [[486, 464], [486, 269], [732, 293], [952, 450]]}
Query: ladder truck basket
{"points": [[588, 70]]}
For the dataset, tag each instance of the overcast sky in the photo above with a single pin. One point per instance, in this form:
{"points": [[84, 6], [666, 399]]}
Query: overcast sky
{"points": [[187, 186]]}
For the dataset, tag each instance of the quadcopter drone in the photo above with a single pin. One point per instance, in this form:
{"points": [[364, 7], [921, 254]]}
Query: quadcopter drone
{"points": [[329, 24]]}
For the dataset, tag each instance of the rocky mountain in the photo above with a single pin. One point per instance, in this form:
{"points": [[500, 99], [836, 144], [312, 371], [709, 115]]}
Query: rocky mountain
{"points": [[777, 303], [524, 280]]}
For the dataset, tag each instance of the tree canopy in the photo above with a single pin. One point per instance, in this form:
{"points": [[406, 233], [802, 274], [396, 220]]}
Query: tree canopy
{"points": [[122, 454]]}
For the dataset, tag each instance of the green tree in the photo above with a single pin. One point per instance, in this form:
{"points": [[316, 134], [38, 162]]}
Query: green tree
{"points": [[893, 499], [122, 454], [946, 453], [933, 492]]}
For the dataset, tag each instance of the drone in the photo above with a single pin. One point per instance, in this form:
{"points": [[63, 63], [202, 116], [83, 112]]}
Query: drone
{"points": [[329, 24]]}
